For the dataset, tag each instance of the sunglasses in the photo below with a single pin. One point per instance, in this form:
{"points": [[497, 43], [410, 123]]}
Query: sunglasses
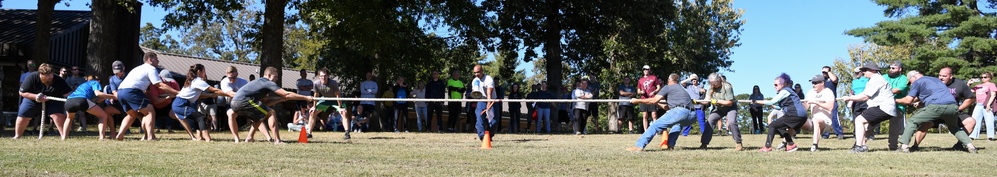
{"points": [[986, 77]]}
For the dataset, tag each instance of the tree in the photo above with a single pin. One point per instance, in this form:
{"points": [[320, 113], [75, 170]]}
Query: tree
{"points": [[957, 34], [153, 38], [43, 30], [227, 38], [111, 35], [860, 54]]}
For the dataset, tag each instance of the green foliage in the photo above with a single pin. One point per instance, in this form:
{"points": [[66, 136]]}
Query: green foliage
{"points": [[860, 54], [957, 34]]}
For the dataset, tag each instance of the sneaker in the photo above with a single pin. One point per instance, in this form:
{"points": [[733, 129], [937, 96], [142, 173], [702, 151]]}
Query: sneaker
{"points": [[914, 149], [309, 135], [347, 136], [903, 149], [791, 148], [858, 149], [839, 138], [781, 146], [634, 149], [813, 149], [990, 139], [765, 149], [578, 133], [703, 147]]}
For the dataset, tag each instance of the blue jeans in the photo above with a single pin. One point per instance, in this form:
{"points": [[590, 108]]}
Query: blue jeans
{"points": [[834, 123], [543, 118], [983, 117], [701, 117], [420, 114], [673, 120], [479, 124]]}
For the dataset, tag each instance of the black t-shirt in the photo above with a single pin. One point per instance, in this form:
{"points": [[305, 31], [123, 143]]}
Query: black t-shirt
{"points": [[33, 84], [960, 90]]}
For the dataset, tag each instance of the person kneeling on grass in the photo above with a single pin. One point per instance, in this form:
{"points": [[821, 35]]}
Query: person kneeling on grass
{"points": [[83, 100], [679, 114], [253, 101], [939, 105], [793, 114], [186, 106]]}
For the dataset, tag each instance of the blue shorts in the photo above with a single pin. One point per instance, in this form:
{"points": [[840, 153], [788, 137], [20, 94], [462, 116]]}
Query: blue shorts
{"points": [[31, 109], [132, 99], [183, 108]]}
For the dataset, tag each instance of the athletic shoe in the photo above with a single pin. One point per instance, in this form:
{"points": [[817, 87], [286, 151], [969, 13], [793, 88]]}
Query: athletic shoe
{"points": [[737, 147], [781, 146], [347, 136], [990, 139], [858, 149], [765, 149], [813, 149], [791, 148], [903, 149], [309, 135]]}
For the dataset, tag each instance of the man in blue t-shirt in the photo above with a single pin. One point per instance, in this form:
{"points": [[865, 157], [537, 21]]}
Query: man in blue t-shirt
{"points": [[678, 114], [831, 82], [939, 104]]}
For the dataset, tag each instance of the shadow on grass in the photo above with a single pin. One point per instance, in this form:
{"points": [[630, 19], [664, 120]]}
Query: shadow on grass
{"points": [[385, 138], [527, 140]]}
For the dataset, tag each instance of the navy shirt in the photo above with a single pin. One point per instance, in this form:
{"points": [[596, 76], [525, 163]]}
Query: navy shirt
{"points": [[33, 84], [255, 90], [931, 91], [435, 89]]}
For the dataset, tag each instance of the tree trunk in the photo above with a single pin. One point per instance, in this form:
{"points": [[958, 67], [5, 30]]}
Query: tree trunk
{"points": [[273, 36], [113, 36], [552, 48], [43, 30]]}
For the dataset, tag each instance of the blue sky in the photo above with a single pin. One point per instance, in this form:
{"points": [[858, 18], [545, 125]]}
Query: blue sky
{"points": [[795, 37]]}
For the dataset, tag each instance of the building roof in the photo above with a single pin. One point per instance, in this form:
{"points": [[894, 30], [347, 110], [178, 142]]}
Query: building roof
{"points": [[216, 68], [18, 26]]}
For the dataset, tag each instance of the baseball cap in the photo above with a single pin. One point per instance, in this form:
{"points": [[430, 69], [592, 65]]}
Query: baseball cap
{"points": [[165, 74], [646, 67], [871, 66], [857, 69], [117, 66], [817, 78]]}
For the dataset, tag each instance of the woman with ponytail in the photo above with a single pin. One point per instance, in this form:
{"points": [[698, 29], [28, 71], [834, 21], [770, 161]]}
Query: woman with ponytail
{"points": [[186, 106], [84, 99], [794, 114]]}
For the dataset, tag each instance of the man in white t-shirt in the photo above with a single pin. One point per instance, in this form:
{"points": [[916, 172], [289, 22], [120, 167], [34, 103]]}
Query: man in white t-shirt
{"points": [[486, 85], [820, 102], [131, 93], [882, 107]]}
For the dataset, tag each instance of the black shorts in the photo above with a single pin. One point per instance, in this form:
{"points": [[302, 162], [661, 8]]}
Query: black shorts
{"points": [[74, 105], [648, 108], [962, 116], [858, 107], [253, 110], [875, 115], [626, 112]]}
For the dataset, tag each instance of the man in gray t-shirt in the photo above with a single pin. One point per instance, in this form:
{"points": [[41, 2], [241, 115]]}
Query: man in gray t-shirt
{"points": [[678, 114], [255, 98]]}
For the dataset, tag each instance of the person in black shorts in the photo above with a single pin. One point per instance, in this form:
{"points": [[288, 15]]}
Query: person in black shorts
{"points": [[253, 102], [33, 90], [83, 99]]}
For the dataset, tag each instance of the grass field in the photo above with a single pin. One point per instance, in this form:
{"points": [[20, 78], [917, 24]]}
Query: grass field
{"points": [[431, 154]]}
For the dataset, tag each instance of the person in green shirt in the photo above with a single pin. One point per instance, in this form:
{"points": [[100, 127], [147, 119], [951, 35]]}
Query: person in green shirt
{"points": [[455, 89], [898, 82]]}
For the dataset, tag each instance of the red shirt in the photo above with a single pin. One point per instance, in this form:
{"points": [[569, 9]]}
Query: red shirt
{"points": [[648, 83], [154, 92]]}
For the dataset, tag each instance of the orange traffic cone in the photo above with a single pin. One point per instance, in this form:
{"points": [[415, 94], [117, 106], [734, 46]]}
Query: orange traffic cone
{"points": [[664, 140], [303, 136], [487, 143]]}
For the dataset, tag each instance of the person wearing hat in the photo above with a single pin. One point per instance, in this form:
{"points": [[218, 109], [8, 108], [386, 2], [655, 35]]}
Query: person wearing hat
{"points": [[820, 102], [113, 106], [898, 81], [132, 95], [882, 107], [831, 82], [647, 86], [857, 107], [939, 104]]}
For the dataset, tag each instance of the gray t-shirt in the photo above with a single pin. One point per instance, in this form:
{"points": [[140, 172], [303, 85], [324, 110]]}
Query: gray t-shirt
{"points": [[676, 96], [326, 89], [255, 90]]}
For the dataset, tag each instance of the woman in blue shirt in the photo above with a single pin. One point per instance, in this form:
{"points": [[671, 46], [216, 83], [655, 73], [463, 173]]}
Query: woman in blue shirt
{"points": [[84, 98]]}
